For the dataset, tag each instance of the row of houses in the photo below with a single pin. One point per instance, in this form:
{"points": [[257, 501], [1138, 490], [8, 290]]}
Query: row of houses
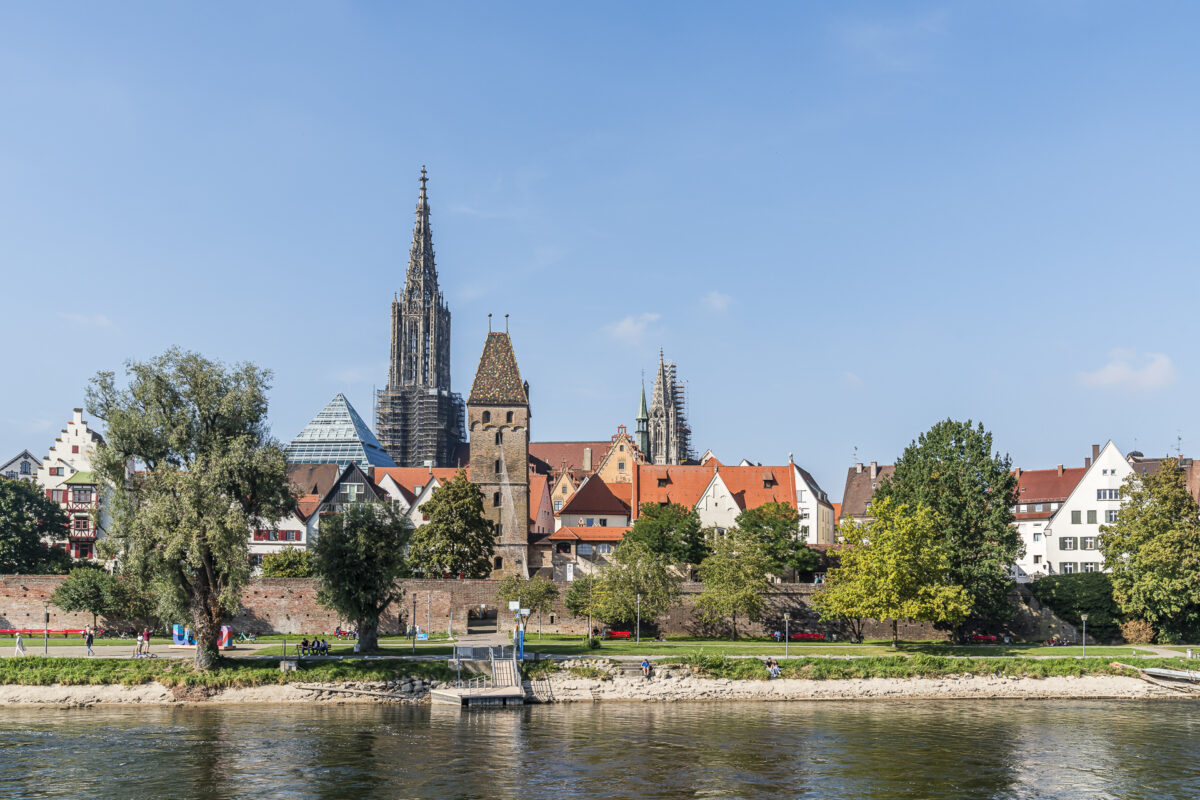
{"points": [[1059, 511]]}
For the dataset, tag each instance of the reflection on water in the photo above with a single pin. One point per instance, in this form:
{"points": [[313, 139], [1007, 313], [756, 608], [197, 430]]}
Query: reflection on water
{"points": [[928, 749]]}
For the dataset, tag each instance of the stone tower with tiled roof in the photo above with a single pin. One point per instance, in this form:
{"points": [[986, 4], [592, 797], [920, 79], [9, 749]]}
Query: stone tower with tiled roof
{"points": [[498, 419], [420, 420]]}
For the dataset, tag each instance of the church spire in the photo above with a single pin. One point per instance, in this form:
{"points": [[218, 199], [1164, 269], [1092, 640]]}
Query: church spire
{"points": [[643, 418], [421, 267]]}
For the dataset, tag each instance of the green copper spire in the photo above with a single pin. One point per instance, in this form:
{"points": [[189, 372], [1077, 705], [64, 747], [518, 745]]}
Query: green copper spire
{"points": [[643, 431]]}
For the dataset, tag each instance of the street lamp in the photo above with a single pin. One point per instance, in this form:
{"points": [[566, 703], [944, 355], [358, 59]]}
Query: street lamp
{"points": [[1084, 618], [46, 630], [639, 619], [413, 625], [787, 617]]}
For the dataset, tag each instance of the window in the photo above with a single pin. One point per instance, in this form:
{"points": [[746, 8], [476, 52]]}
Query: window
{"points": [[417, 489], [499, 530], [81, 496], [1038, 507], [496, 466], [563, 547], [621, 465], [799, 495], [564, 489], [591, 522], [82, 549], [487, 416], [1069, 567], [558, 505], [1055, 506], [1075, 517], [1111, 516], [24, 467], [1037, 559], [1091, 517], [605, 548], [498, 563], [10, 474], [508, 417], [1108, 494], [495, 498], [584, 549], [499, 437], [1024, 508], [1037, 536], [621, 448], [603, 523], [1067, 543], [662, 483], [82, 524], [74, 448], [1090, 566], [768, 484], [1087, 543]]}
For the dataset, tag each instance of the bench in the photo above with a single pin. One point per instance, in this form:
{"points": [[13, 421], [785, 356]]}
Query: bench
{"points": [[987, 638], [618, 635], [64, 632], [806, 636]]}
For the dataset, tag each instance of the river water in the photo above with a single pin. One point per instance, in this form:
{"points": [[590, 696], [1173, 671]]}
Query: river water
{"points": [[920, 749]]}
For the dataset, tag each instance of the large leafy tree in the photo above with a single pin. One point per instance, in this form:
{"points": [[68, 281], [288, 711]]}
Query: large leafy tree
{"points": [[672, 531], [897, 566], [85, 589], [735, 579], [27, 518], [359, 559], [636, 570], [583, 598], [205, 472], [288, 562], [777, 527], [953, 470], [1153, 552], [457, 539], [537, 594]]}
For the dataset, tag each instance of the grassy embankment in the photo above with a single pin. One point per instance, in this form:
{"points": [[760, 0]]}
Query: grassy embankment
{"points": [[38, 671], [916, 666]]}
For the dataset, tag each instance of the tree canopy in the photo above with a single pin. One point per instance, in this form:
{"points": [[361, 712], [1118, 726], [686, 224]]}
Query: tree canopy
{"points": [[27, 518], [207, 472], [457, 540], [636, 570], [897, 566], [1153, 552], [735, 579], [777, 527], [952, 470], [537, 594], [287, 562], [583, 598], [672, 531], [359, 558], [99, 593]]}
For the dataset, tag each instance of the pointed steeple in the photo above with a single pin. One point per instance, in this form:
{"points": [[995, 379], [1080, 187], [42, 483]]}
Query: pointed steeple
{"points": [[421, 267], [643, 430]]}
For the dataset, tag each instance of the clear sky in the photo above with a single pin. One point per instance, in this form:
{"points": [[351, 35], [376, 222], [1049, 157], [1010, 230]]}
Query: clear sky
{"points": [[844, 221]]}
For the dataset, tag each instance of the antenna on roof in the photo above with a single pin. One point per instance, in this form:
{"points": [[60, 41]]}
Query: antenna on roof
{"points": [[854, 458], [489, 323], [506, 323]]}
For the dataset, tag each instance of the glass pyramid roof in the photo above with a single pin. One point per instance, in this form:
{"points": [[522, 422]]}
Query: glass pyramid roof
{"points": [[338, 435]]}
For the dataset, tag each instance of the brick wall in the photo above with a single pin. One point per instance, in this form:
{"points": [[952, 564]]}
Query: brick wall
{"points": [[289, 605]]}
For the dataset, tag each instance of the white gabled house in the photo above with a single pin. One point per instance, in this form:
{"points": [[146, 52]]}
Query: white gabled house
{"points": [[1071, 538]]}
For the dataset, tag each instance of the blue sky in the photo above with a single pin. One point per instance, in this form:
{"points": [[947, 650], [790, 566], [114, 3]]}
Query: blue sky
{"points": [[843, 221]]}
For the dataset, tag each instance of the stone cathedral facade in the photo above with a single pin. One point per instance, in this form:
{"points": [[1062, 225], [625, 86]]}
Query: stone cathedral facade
{"points": [[420, 421], [665, 426]]}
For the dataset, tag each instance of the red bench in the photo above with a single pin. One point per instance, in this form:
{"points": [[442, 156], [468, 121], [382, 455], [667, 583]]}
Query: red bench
{"points": [[989, 638], [806, 636], [617, 635]]}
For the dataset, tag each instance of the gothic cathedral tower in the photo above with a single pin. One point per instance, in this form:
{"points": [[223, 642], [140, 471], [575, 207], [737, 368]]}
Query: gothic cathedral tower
{"points": [[498, 418], [420, 421], [669, 434]]}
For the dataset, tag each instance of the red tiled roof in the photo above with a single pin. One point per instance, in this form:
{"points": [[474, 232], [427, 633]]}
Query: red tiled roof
{"points": [[551, 455], [837, 512], [594, 497], [412, 477], [748, 485], [623, 491], [307, 504], [684, 484], [580, 534], [1047, 485]]}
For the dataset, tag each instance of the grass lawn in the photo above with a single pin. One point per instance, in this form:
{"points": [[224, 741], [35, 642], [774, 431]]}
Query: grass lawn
{"points": [[385, 648], [74, 641]]}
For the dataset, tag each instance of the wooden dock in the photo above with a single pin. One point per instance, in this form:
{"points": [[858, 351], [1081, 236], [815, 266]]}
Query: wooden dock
{"points": [[478, 697]]}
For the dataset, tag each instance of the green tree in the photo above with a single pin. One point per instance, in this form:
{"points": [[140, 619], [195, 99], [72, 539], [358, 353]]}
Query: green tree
{"points": [[735, 579], [777, 527], [1088, 593], [897, 566], [672, 531], [636, 570], [953, 470], [457, 539], [207, 472], [1153, 552], [27, 518], [359, 559], [537, 594], [288, 562], [583, 599], [85, 589]]}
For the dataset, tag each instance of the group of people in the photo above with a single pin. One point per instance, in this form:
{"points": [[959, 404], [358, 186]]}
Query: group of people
{"points": [[317, 647], [143, 644], [772, 667]]}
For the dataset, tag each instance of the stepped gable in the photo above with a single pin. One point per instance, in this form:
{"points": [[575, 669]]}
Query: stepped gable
{"points": [[498, 380], [594, 497]]}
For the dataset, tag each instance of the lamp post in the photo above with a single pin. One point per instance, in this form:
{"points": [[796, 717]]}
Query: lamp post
{"points": [[46, 628], [787, 618], [1084, 618], [413, 625], [639, 619]]}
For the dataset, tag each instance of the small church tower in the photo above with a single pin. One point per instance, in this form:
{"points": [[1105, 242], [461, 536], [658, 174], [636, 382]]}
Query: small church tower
{"points": [[498, 420], [642, 434]]}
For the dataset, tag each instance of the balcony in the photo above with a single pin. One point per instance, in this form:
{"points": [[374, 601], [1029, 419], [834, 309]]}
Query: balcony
{"points": [[91, 505], [82, 533]]}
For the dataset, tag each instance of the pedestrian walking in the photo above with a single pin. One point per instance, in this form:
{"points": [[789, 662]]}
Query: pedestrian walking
{"points": [[20, 646], [87, 640], [138, 651], [146, 639]]}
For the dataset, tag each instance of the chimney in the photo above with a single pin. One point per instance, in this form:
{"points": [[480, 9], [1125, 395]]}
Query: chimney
{"points": [[858, 468], [874, 470], [1087, 462], [587, 459], [1060, 470], [1095, 452], [1017, 473]]}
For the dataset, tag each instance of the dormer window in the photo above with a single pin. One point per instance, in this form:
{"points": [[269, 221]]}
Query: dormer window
{"points": [[768, 484], [487, 416]]}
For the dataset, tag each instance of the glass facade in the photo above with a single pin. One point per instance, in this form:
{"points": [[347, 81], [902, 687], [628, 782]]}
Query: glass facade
{"points": [[338, 435]]}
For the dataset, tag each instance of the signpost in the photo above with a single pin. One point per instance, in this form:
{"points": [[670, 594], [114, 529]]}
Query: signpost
{"points": [[787, 618], [1084, 618]]}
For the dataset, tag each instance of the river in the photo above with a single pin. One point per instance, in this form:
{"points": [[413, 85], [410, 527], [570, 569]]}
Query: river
{"points": [[926, 749]]}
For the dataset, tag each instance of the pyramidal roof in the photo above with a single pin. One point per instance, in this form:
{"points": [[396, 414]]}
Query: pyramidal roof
{"points": [[498, 380], [338, 435]]}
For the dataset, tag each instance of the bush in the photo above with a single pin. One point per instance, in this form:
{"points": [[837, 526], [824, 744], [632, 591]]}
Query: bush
{"points": [[1137, 631], [593, 643], [1089, 593]]}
